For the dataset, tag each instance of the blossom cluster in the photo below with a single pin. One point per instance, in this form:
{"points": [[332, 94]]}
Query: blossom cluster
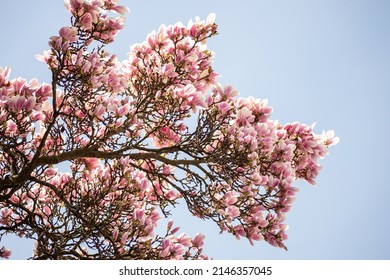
{"points": [[22, 105], [173, 68], [257, 161], [123, 131], [91, 20]]}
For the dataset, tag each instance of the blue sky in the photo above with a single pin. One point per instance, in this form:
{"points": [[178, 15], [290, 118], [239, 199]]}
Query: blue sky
{"points": [[315, 61]]}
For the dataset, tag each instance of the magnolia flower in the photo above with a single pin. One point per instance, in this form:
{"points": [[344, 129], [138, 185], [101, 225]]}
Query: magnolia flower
{"points": [[210, 19], [16, 103], [184, 240], [4, 253], [198, 240], [120, 9], [47, 210], [244, 116], [230, 197], [228, 92], [86, 21], [4, 75], [69, 33], [329, 138]]}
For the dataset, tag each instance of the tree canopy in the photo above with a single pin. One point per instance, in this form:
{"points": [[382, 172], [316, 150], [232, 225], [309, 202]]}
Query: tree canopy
{"points": [[90, 162]]}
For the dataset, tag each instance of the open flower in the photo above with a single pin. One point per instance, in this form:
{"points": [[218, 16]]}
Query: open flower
{"points": [[69, 34]]}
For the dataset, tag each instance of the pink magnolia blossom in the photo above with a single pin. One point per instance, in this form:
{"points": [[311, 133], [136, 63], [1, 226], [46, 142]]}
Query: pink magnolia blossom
{"points": [[244, 116], [230, 197], [4, 76], [68, 33], [198, 240], [232, 212], [184, 240], [123, 110], [169, 225], [115, 234], [5, 253], [86, 21], [120, 9], [16, 103], [228, 92], [47, 210], [165, 137], [329, 138]]}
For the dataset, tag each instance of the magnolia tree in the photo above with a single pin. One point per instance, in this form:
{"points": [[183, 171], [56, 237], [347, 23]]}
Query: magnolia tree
{"points": [[133, 139]]}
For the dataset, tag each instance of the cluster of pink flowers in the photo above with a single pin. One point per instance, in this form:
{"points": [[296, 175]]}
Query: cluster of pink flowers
{"points": [[173, 68], [172, 50], [181, 246], [22, 105], [123, 129], [90, 17], [271, 158]]}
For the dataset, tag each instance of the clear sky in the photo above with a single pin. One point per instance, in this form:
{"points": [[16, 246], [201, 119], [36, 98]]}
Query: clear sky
{"points": [[315, 61]]}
